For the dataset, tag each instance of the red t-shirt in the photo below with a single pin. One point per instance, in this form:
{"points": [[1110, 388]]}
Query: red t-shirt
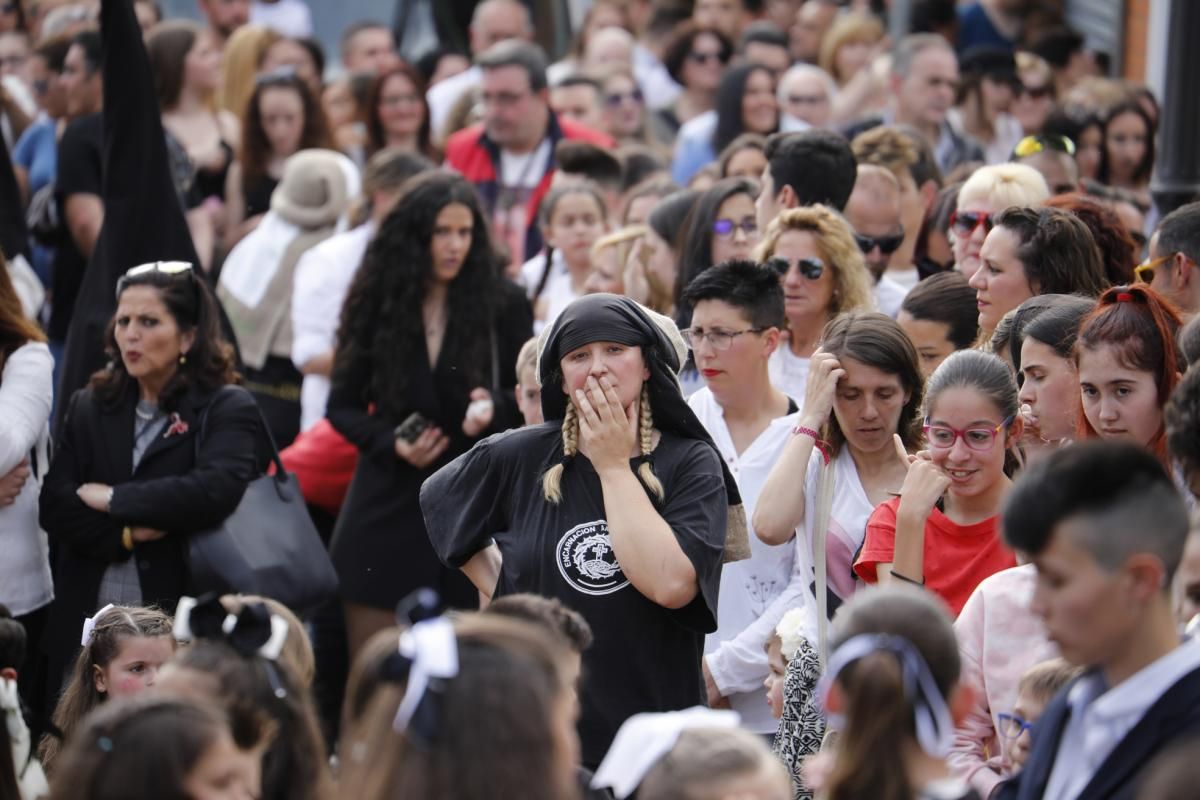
{"points": [[957, 557]]}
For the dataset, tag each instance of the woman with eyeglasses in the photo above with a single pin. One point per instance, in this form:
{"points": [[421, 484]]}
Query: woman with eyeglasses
{"points": [[812, 249], [722, 227], [626, 117], [745, 103], [941, 532], [695, 59], [1035, 98], [131, 477], [1033, 251], [280, 119], [397, 114], [987, 192]]}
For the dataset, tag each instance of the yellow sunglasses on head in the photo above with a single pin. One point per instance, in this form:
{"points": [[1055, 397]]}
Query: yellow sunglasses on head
{"points": [[1144, 271]]}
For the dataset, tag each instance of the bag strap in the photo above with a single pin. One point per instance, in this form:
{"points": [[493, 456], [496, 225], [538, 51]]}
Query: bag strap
{"points": [[280, 472], [822, 512]]}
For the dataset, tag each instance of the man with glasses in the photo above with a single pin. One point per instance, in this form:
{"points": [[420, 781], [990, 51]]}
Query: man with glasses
{"points": [[737, 317], [1173, 268], [874, 212], [806, 94], [509, 156], [15, 59]]}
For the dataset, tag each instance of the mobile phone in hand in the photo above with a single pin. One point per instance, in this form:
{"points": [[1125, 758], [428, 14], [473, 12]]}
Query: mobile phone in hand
{"points": [[412, 427]]}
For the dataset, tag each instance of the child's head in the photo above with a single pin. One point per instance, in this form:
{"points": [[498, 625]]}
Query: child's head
{"points": [[572, 217], [895, 662], [566, 626], [1128, 364], [512, 676], [529, 391], [776, 675], [123, 649], [715, 764], [971, 420], [12, 645], [737, 316], [1036, 689], [1105, 526], [297, 650], [152, 748]]}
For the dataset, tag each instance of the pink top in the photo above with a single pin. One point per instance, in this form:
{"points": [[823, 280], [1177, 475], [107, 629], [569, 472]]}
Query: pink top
{"points": [[999, 638]]}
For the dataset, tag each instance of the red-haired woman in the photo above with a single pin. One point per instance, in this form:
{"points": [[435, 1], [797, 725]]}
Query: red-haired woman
{"points": [[1128, 364]]}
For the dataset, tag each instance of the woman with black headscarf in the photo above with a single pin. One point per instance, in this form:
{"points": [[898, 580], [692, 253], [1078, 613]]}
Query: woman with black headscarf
{"points": [[618, 506]]}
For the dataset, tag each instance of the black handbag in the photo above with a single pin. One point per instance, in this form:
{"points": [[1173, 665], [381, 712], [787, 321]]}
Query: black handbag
{"points": [[268, 546]]}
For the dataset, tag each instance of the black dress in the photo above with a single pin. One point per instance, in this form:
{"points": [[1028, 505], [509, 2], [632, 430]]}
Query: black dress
{"points": [[644, 657], [380, 547]]}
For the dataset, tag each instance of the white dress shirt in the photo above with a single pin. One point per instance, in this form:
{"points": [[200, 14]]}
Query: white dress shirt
{"points": [[1101, 717]]}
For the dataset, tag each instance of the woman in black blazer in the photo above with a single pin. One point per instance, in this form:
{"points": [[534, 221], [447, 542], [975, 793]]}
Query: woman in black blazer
{"points": [[127, 482], [429, 336]]}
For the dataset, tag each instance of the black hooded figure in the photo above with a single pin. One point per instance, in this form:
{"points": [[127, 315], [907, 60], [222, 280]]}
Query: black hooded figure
{"points": [[551, 509], [143, 219], [14, 237]]}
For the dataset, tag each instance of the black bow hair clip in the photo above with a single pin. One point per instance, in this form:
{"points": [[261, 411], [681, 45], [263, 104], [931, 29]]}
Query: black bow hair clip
{"points": [[252, 632], [425, 661]]}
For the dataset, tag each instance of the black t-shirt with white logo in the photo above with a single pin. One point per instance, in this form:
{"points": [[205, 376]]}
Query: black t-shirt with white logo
{"points": [[645, 657]]}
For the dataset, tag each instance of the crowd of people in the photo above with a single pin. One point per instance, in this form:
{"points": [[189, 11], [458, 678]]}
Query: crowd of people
{"points": [[737, 404]]}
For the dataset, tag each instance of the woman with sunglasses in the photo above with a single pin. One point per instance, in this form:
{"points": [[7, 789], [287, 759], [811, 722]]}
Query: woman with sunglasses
{"points": [[722, 227], [1034, 251], [626, 118], [941, 531], [812, 248], [695, 58], [989, 191], [746, 103], [131, 477]]}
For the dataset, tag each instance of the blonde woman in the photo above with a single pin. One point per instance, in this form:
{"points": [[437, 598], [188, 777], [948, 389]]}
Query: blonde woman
{"points": [[823, 274], [240, 60], [618, 506], [610, 254], [849, 46], [986, 193]]}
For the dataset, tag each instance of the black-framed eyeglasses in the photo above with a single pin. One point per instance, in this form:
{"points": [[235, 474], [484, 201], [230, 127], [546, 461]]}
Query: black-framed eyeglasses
{"points": [[1036, 92], [726, 227], [810, 268], [964, 223], [616, 99], [172, 268], [886, 244], [1032, 145], [719, 339], [1011, 726]]}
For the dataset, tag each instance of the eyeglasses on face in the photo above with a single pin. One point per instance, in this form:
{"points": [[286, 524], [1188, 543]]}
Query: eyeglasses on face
{"points": [[1144, 271], [726, 227], [704, 58], [1036, 92], [1011, 726], [719, 340], [1032, 145], [964, 223], [980, 439], [807, 99], [810, 268], [616, 99], [886, 244], [505, 99]]}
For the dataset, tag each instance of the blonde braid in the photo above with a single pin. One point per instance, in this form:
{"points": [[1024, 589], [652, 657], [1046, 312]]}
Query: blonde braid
{"points": [[646, 444], [552, 478]]}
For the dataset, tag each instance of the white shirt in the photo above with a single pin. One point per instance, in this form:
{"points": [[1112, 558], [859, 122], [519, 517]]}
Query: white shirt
{"points": [[658, 87], [287, 17], [906, 279], [888, 296], [442, 96], [1100, 719], [748, 587], [556, 295], [26, 389], [789, 373], [322, 280]]}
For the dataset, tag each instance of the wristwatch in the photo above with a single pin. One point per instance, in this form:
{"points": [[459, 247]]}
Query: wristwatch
{"points": [[127, 538]]}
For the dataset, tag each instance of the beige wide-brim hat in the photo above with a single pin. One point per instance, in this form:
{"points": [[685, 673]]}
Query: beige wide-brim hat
{"points": [[316, 189]]}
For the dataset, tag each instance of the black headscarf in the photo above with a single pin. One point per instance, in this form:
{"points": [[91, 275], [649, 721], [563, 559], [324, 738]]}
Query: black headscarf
{"points": [[615, 318]]}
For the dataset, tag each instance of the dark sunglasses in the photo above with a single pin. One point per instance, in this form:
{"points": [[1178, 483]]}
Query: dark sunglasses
{"points": [[704, 58], [964, 223], [886, 244], [726, 227], [810, 268], [1032, 145], [1037, 92], [617, 99]]}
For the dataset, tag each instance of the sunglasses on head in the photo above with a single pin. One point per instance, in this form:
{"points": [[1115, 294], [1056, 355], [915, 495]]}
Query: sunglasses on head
{"points": [[165, 267], [886, 244], [1032, 145], [726, 227], [964, 223], [810, 268]]}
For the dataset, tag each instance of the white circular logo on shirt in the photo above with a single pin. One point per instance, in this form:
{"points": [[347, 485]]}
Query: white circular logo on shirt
{"points": [[586, 559]]}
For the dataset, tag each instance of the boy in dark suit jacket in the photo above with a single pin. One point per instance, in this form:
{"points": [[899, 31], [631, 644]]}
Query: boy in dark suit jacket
{"points": [[1105, 526]]}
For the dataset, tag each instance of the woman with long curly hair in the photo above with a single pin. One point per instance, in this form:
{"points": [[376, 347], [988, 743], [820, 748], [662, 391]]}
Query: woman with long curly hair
{"points": [[423, 369], [132, 476]]}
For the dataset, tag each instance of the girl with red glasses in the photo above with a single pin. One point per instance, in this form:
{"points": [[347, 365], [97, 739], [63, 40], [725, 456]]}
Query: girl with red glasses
{"points": [[940, 532]]}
